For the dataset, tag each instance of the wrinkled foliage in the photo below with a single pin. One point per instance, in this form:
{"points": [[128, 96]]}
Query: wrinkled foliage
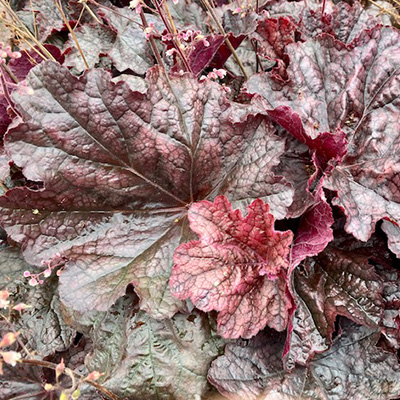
{"points": [[233, 231]]}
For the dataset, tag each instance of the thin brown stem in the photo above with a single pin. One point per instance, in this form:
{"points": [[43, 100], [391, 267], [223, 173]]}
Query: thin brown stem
{"points": [[50, 365], [89, 10], [34, 20], [172, 30], [152, 42], [23, 32], [66, 22], [78, 21], [386, 10], [227, 41], [94, 2], [20, 342], [3, 186], [10, 73]]}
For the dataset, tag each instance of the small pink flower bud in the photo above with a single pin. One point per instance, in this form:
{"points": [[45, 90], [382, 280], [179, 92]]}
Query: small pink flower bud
{"points": [[47, 272], [33, 282], [27, 274], [60, 368], [21, 307], [10, 357], [93, 376], [8, 339], [4, 302], [220, 72]]}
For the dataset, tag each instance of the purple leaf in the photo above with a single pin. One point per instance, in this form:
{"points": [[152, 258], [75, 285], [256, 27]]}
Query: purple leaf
{"points": [[94, 41], [327, 147], [314, 232], [22, 381], [199, 55], [20, 67], [29, 59], [352, 369], [144, 358], [366, 179], [224, 51], [253, 369], [273, 35], [4, 116], [330, 284], [237, 267], [48, 17], [297, 168], [119, 170], [344, 21], [238, 24], [130, 49]]}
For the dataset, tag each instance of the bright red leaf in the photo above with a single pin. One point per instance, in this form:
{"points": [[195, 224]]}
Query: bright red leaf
{"points": [[237, 267]]}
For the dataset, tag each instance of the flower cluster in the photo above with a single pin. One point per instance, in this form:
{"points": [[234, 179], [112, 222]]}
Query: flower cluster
{"points": [[51, 265], [6, 52]]}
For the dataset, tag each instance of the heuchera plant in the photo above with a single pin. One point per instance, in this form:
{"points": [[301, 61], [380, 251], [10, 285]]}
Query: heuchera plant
{"points": [[200, 197]]}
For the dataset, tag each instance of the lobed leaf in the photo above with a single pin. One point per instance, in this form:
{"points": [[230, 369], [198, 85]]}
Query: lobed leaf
{"points": [[237, 267], [119, 168], [354, 368], [363, 101]]}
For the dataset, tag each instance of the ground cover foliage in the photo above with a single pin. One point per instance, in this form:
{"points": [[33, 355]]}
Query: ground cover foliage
{"points": [[201, 200]]}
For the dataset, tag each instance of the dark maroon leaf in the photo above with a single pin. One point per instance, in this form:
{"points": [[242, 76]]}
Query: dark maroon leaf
{"points": [[314, 232], [330, 284], [4, 116], [29, 59], [199, 56], [273, 35], [366, 180], [352, 369], [344, 21], [237, 267], [119, 168], [224, 52], [326, 146]]}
